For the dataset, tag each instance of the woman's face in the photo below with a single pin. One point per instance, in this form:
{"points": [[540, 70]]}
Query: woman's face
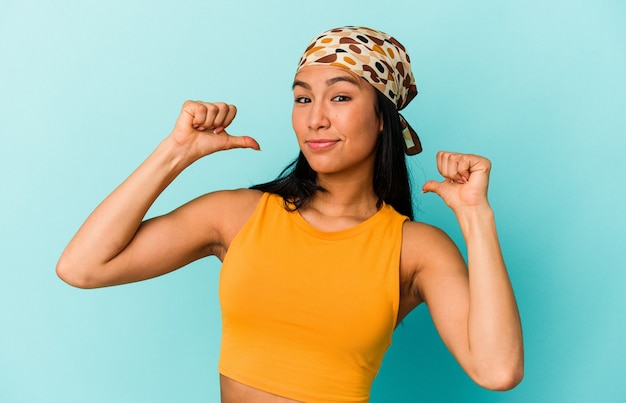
{"points": [[335, 119]]}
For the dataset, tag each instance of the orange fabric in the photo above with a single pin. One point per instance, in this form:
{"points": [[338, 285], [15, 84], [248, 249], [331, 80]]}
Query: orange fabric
{"points": [[308, 314]]}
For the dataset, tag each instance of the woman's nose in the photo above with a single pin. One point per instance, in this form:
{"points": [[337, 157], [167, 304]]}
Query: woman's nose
{"points": [[318, 116]]}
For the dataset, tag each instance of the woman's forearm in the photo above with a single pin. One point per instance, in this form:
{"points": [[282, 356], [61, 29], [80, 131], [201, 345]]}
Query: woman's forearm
{"points": [[494, 329]]}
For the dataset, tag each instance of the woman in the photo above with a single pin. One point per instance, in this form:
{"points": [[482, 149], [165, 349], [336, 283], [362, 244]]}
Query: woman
{"points": [[320, 265]]}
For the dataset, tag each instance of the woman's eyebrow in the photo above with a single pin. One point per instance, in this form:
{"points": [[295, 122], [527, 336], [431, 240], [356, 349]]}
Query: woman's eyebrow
{"points": [[329, 82], [346, 78], [298, 83]]}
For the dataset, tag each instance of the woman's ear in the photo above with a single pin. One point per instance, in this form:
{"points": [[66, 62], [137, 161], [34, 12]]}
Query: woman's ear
{"points": [[381, 122]]}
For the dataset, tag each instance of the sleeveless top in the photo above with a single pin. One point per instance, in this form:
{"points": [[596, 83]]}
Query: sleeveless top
{"points": [[308, 314]]}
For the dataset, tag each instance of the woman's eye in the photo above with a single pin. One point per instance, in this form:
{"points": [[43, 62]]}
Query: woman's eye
{"points": [[341, 98], [302, 100]]}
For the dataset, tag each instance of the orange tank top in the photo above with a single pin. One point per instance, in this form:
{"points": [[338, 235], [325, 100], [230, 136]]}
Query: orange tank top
{"points": [[308, 314]]}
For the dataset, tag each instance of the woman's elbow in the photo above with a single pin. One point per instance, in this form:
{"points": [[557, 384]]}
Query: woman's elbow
{"points": [[72, 276], [502, 379]]}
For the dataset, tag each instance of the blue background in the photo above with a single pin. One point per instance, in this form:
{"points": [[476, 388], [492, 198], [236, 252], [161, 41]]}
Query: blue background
{"points": [[89, 88]]}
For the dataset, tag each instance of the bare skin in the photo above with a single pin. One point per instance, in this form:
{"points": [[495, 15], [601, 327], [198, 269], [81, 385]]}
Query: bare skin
{"points": [[472, 306]]}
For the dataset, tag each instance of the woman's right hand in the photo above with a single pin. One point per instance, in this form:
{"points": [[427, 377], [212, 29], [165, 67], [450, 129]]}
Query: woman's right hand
{"points": [[200, 129]]}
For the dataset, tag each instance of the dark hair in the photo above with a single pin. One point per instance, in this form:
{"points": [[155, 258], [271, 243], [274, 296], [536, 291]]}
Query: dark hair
{"points": [[297, 183]]}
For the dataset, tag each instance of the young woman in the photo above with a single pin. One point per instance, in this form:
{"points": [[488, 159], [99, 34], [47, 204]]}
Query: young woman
{"points": [[321, 264]]}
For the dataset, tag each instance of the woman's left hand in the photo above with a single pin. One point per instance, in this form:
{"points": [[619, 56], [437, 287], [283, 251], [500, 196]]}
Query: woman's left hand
{"points": [[466, 180]]}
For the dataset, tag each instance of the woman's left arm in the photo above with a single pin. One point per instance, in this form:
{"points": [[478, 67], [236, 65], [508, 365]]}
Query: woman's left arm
{"points": [[487, 326]]}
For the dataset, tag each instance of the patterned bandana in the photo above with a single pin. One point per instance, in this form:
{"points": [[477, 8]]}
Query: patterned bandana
{"points": [[376, 57]]}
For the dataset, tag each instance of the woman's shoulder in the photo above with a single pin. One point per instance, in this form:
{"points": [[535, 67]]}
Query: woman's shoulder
{"points": [[236, 198], [222, 214], [224, 201], [230, 205], [422, 242], [421, 231]]}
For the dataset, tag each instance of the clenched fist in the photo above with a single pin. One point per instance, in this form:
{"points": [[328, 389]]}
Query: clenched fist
{"points": [[466, 180], [200, 129]]}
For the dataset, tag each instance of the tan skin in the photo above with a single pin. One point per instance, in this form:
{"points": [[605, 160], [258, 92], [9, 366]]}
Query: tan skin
{"points": [[336, 123]]}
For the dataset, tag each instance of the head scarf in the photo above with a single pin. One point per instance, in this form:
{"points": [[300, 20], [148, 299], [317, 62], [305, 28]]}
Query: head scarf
{"points": [[376, 57]]}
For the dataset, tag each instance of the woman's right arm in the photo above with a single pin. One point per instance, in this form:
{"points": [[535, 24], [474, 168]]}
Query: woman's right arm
{"points": [[114, 245]]}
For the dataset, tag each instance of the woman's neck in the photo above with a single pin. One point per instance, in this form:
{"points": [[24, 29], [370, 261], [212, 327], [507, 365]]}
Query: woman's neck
{"points": [[345, 202]]}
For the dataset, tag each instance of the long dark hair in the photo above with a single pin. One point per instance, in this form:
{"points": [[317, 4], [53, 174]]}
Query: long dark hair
{"points": [[297, 183]]}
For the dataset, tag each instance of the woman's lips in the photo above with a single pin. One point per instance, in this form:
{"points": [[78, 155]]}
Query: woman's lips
{"points": [[321, 144]]}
